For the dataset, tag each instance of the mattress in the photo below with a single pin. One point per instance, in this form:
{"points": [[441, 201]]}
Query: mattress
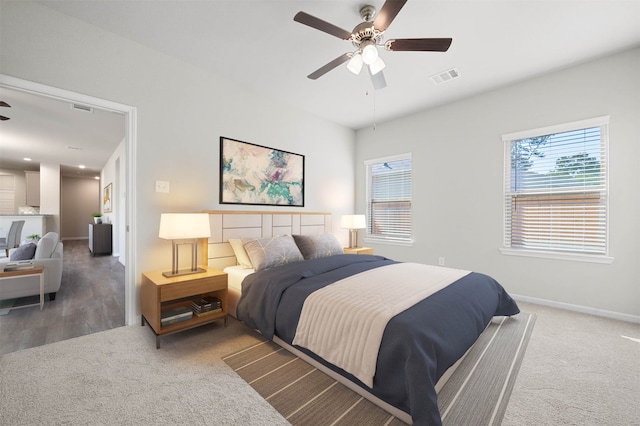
{"points": [[235, 275]]}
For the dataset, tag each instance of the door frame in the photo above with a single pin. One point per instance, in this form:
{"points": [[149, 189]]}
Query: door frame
{"points": [[130, 114]]}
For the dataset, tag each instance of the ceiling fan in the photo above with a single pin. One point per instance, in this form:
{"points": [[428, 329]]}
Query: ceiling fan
{"points": [[4, 104], [366, 37]]}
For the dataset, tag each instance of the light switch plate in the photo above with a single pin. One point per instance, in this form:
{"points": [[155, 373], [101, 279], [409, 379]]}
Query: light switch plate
{"points": [[162, 186]]}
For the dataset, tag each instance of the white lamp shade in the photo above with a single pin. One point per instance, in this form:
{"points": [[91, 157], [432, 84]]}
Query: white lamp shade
{"points": [[177, 226], [377, 66], [355, 64], [369, 52], [353, 221]]}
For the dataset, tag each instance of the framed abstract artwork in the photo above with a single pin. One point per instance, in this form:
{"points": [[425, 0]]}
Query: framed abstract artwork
{"points": [[106, 199], [259, 175]]}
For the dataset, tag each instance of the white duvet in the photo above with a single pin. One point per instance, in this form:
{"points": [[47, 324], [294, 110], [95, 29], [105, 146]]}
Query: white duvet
{"points": [[344, 322]]}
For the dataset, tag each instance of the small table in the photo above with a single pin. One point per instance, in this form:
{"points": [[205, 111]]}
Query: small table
{"points": [[160, 292], [27, 272], [358, 250]]}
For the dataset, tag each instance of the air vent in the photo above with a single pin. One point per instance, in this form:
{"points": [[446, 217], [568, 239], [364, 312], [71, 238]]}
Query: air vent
{"points": [[80, 107], [445, 76]]}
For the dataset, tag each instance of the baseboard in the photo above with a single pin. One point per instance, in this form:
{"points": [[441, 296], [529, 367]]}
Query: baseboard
{"points": [[577, 308]]}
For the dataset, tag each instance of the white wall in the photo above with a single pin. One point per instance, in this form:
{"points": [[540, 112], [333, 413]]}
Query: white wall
{"points": [[181, 113], [458, 185], [50, 195]]}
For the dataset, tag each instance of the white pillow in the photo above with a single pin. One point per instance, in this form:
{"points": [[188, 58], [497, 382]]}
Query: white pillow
{"points": [[241, 254]]}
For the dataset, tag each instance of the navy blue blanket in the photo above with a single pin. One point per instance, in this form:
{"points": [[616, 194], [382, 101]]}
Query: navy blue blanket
{"points": [[418, 345]]}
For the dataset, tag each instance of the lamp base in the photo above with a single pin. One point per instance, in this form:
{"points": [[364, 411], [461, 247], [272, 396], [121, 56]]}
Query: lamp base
{"points": [[353, 238], [171, 274]]}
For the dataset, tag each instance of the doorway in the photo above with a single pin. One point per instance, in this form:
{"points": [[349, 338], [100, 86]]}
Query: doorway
{"points": [[126, 235]]}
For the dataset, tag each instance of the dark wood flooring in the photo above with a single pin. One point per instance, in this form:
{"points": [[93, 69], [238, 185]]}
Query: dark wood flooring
{"points": [[90, 299]]}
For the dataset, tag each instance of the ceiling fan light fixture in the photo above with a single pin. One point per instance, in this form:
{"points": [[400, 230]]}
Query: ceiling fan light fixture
{"points": [[369, 52], [377, 66], [355, 64]]}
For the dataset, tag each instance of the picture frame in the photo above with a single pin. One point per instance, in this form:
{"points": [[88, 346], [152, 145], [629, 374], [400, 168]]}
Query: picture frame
{"points": [[106, 198], [253, 174]]}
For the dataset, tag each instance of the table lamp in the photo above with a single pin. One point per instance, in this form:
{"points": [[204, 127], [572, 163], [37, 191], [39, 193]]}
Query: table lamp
{"points": [[183, 229], [353, 222]]}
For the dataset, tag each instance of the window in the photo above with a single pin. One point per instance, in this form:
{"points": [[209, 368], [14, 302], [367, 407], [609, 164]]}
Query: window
{"points": [[556, 191], [389, 199]]}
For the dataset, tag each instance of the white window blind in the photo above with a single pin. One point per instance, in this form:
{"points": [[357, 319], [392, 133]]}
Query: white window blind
{"points": [[389, 198], [556, 189]]}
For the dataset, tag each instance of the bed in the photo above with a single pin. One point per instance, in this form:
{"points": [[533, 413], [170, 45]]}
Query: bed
{"points": [[411, 357]]}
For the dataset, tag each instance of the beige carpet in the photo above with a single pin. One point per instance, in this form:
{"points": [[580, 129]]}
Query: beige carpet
{"points": [[577, 370], [117, 377]]}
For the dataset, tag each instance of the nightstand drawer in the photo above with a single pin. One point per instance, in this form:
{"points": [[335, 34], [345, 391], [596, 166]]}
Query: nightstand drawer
{"points": [[189, 288]]}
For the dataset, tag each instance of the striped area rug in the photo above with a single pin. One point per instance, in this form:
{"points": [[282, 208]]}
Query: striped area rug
{"points": [[477, 393]]}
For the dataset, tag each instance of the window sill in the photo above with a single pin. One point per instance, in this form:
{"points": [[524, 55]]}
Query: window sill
{"points": [[591, 258], [389, 241]]}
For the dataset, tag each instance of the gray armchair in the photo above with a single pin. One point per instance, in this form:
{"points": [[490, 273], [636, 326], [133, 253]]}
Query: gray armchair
{"points": [[13, 237]]}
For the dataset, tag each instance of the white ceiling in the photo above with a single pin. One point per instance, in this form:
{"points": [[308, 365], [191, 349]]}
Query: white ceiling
{"points": [[51, 131], [257, 44]]}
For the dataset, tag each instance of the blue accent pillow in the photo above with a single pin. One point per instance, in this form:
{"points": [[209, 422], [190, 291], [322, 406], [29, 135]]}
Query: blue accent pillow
{"points": [[24, 252]]}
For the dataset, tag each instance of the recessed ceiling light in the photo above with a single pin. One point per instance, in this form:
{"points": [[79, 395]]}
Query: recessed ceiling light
{"points": [[82, 166], [97, 178], [27, 159]]}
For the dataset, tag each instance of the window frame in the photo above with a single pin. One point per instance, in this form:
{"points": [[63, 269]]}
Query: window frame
{"points": [[507, 139], [379, 238]]}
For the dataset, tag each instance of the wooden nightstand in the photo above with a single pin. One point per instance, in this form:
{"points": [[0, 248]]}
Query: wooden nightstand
{"points": [[358, 250], [160, 293]]}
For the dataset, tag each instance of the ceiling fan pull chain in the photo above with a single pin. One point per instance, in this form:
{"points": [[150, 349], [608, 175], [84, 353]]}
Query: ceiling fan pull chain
{"points": [[374, 110]]}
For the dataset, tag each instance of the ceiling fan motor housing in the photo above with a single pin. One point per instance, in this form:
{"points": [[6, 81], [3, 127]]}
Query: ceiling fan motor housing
{"points": [[363, 32]]}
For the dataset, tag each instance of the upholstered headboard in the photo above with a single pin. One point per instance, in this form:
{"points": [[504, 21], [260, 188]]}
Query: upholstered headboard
{"points": [[217, 251]]}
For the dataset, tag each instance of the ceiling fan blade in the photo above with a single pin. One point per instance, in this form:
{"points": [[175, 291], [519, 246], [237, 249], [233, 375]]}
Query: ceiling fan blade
{"points": [[387, 14], [4, 104], [378, 80], [419, 44], [3, 118], [328, 67], [319, 24]]}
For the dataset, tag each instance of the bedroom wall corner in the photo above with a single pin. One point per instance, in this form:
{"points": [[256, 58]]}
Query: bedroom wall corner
{"points": [[458, 180]]}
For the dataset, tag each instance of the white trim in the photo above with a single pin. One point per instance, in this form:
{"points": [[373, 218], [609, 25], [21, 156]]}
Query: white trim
{"points": [[578, 257], [557, 128], [507, 139], [377, 238], [577, 308], [130, 115], [388, 158], [389, 241]]}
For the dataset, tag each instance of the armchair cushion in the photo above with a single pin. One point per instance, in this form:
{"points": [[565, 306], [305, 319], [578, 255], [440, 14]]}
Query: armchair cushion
{"points": [[47, 245], [24, 252]]}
